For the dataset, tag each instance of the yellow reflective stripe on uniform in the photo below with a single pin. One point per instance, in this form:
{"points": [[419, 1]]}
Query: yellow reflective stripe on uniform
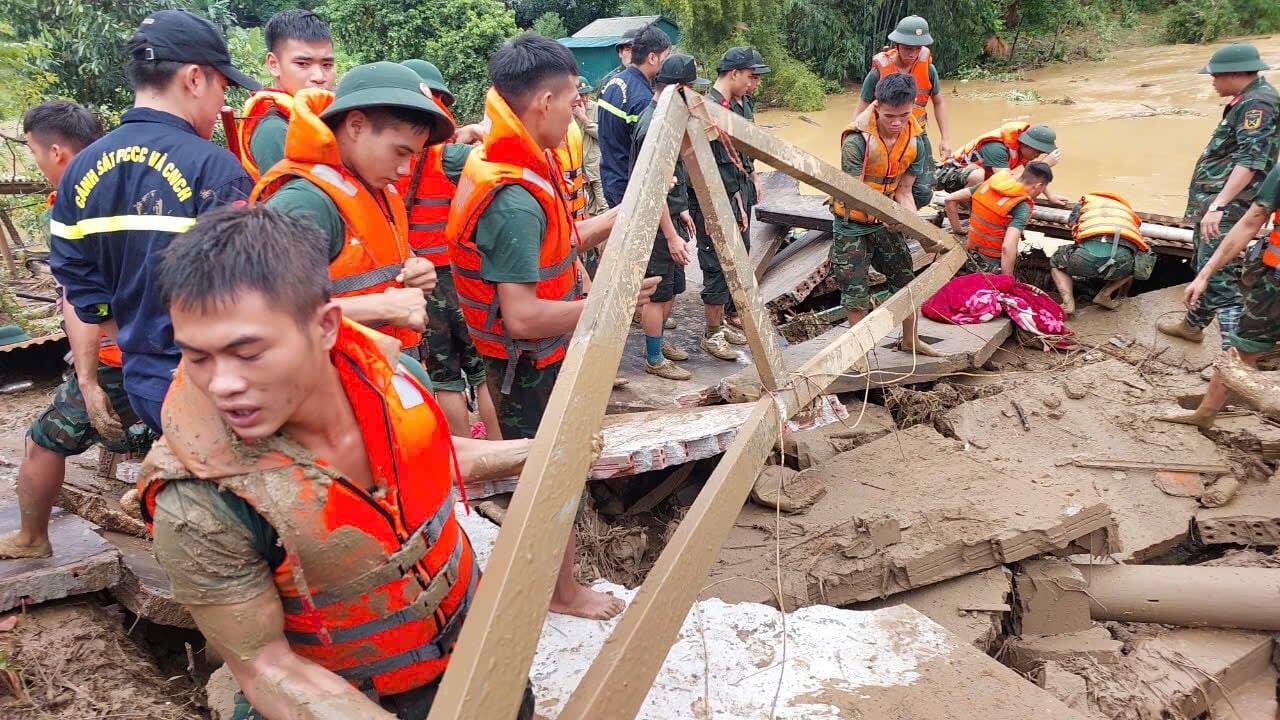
{"points": [[120, 223], [603, 104]]}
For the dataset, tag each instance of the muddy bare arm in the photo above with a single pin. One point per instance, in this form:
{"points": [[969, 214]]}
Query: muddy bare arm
{"points": [[1009, 251], [279, 684], [952, 205], [485, 460], [940, 117], [1234, 244], [902, 195], [594, 231], [85, 341]]}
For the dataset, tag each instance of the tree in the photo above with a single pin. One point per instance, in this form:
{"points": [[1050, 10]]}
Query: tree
{"points": [[575, 14], [24, 82], [550, 25], [459, 36]]}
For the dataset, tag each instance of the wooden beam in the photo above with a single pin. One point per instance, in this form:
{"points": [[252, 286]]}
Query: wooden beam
{"points": [[618, 680], [766, 239], [487, 674], [727, 239]]}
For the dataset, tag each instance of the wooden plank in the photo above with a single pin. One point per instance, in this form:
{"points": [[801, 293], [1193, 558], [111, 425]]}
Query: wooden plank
{"points": [[803, 211], [1123, 464], [82, 562], [765, 241], [617, 681], [487, 673], [812, 236], [704, 178], [806, 272], [143, 587]]}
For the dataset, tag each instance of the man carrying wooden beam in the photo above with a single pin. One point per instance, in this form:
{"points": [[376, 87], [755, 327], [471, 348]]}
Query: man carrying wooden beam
{"points": [[882, 148], [514, 250], [1258, 329]]}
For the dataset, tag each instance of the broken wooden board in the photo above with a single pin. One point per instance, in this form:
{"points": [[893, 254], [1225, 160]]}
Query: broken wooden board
{"points": [[964, 347], [972, 606], [82, 562], [904, 512], [143, 587], [766, 240], [1250, 433], [654, 440], [1251, 518], [1136, 320], [96, 498], [1113, 418], [806, 271]]}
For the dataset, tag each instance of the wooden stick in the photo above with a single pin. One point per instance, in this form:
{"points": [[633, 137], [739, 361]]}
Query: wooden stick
{"points": [[1119, 464], [660, 493], [4, 244], [488, 671], [721, 226]]}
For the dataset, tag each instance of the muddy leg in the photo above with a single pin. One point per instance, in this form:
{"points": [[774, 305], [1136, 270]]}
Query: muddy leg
{"points": [[488, 413], [1215, 397], [1063, 282], [572, 598], [911, 341], [39, 480], [1105, 296]]}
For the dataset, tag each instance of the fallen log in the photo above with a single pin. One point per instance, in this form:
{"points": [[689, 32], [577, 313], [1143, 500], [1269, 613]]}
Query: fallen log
{"points": [[1191, 596], [1154, 227], [1257, 388]]}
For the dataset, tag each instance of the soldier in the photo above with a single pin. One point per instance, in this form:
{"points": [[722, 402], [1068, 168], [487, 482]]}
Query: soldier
{"points": [[585, 113], [1105, 229], [1258, 329], [910, 54], [999, 211], [1225, 181]]}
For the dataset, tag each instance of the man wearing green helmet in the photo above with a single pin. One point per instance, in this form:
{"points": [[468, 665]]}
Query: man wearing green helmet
{"points": [[585, 113], [1225, 181], [909, 54]]}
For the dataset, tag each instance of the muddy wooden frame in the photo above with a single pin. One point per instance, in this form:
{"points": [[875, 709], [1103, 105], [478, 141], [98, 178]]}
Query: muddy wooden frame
{"points": [[487, 672]]}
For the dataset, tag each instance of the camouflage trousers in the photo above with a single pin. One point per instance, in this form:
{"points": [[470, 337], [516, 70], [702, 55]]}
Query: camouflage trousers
{"points": [[852, 256], [64, 427], [1259, 327], [520, 411], [412, 705], [1222, 297], [446, 349]]}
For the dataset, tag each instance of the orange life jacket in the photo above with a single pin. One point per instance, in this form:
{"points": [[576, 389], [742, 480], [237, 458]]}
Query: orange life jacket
{"points": [[428, 205], [1102, 215], [568, 157], [883, 165], [1271, 253], [510, 157], [886, 63], [375, 585], [376, 224], [1007, 134], [993, 202], [256, 108]]}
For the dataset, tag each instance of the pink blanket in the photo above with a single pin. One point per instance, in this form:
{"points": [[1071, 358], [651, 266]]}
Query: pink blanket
{"points": [[976, 298]]}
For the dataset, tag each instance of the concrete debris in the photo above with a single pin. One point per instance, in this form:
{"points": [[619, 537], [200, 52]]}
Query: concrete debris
{"points": [[143, 587], [973, 607], [1071, 689], [866, 422], [82, 562], [1251, 518], [1220, 492], [785, 489], [1026, 654], [1179, 483], [1049, 599]]}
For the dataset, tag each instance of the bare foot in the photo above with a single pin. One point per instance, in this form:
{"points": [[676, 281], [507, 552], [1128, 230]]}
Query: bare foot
{"points": [[621, 382], [919, 347], [1202, 418], [1109, 303], [12, 546], [587, 603], [1069, 304]]}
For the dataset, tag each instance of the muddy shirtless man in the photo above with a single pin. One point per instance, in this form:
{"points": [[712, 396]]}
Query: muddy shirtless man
{"points": [[305, 469]]}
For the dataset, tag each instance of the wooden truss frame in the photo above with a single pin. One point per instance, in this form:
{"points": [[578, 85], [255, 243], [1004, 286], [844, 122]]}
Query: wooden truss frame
{"points": [[487, 673]]}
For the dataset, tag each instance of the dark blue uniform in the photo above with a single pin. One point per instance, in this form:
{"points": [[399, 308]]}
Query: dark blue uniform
{"points": [[119, 204], [620, 103]]}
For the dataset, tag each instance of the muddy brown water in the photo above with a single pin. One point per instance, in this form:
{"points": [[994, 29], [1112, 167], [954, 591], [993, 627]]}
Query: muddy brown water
{"points": [[1133, 125]]}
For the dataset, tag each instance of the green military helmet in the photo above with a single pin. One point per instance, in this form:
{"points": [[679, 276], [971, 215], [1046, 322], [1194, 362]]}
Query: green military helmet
{"points": [[1040, 137], [912, 30], [432, 76], [1237, 57], [388, 84], [584, 86]]}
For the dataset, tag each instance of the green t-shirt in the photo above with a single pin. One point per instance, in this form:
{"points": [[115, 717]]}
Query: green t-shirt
{"points": [[454, 157], [508, 236], [851, 154], [994, 156], [873, 78], [1018, 216], [301, 198], [266, 145], [1269, 193]]}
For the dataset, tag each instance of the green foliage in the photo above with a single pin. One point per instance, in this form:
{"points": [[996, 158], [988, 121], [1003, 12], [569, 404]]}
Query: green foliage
{"points": [[1257, 16], [458, 36], [1199, 21], [575, 14], [23, 82], [550, 25], [793, 85], [255, 13]]}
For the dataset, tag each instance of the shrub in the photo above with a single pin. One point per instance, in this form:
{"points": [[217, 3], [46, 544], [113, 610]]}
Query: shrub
{"points": [[1198, 21]]}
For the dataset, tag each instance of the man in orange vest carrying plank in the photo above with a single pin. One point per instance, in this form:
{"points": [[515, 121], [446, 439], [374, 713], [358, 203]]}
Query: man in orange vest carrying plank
{"points": [[299, 55], [514, 249], [302, 499], [909, 53], [343, 155], [999, 211], [1105, 229], [882, 148]]}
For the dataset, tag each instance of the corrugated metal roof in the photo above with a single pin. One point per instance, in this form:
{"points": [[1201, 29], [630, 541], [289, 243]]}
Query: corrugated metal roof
{"points": [[589, 42], [613, 27], [32, 342]]}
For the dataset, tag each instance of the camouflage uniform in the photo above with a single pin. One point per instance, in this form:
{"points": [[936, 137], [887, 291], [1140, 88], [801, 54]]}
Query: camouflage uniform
{"points": [[1247, 136], [446, 348], [520, 411], [64, 428], [1259, 326], [850, 255]]}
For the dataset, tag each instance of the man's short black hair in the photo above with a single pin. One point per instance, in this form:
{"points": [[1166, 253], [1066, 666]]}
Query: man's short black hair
{"points": [[298, 24], [62, 122], [1037, 172], [650, 39], [153, 74], [896, 90], [524, 66], [237, 249]]}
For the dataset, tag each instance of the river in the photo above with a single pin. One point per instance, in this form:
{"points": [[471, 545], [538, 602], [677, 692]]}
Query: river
{"points": [[1133, 124]]}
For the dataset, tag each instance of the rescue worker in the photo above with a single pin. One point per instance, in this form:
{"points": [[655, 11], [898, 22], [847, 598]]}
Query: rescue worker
{"points": [[299, 55], [1225, 181], [513, 246], [124, 198], [1258, 330], [345, 152], [734, 76], [741, 104], [671, 243], [586, 114], [620, 103], [908, 52], [446, 348], [434, 79], [90, 406], [999, 211], [623, 48], [341, 596], [1008, 147], [1105, 229], [882, 148]]}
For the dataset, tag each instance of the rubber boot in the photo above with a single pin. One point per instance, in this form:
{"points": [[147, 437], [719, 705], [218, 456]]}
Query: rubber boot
{"points": [[1180, 328]]}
